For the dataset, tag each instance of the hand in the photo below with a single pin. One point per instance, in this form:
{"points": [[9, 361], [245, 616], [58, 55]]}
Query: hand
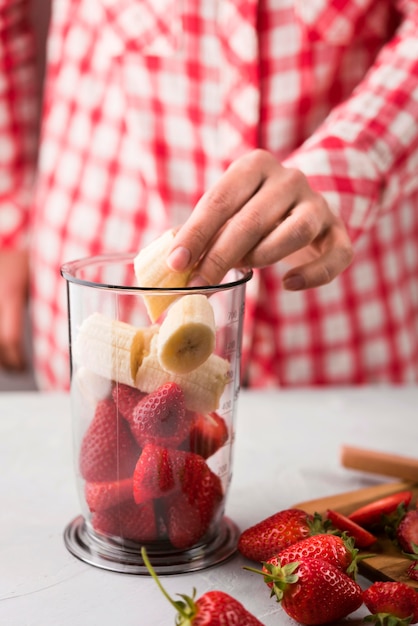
{"points": [[257, 214], [14, 278]]}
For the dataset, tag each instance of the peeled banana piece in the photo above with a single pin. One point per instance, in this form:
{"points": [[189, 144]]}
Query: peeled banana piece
{"points": [[151, 270], [111, 348], [187, 334], [91, 387], [202, 388], [87, 389]]}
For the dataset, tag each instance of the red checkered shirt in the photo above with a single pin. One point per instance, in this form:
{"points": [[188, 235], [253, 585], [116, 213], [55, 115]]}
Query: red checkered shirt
{"points": [[147, 101]]}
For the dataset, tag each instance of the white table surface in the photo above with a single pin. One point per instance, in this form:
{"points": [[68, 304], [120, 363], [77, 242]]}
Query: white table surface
{"points": [[287, 451]]}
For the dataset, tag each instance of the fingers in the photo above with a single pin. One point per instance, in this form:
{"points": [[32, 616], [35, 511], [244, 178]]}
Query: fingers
{"points": [[14, 272], [313, 239], [336, 257], [247, 230], [12, 354], [258, 214], [252, 197], [296, 231], [224, 201]]}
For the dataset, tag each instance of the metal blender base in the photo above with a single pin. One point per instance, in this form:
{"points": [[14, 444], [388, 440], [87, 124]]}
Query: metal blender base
{"points": [[106, 553]]}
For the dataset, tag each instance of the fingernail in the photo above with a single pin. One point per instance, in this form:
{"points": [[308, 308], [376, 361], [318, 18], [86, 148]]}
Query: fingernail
{"points": [[293, 283], [179, 259]]}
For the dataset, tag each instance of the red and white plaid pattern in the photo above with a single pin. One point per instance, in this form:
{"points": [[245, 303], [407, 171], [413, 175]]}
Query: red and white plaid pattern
{"points": [[147, 101], [17, 121]]}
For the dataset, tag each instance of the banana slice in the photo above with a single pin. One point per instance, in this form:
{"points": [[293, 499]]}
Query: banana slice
{"points": [[202, 388], [187, 335], [111, 348], [87, 389], [151, 270], [91, 386]]}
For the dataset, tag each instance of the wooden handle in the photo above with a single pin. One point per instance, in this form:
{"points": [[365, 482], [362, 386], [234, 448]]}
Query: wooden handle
{"points": [[383, 463]]}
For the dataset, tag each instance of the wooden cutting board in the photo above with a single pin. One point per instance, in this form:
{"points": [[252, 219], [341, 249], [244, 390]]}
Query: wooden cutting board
{"points": [[387, 562]]}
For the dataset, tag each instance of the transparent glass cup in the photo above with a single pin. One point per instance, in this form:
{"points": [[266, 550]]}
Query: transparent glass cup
{"points": [[153, 425]]}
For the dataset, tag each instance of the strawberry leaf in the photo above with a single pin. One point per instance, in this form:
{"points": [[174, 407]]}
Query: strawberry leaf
{"points": [[387, 619], [391, 522], [279, 577], [412, 555], [318, 525]]}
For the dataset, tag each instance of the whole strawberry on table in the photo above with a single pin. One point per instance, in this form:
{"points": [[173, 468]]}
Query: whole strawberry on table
{"points": [[313, 578], [309, 562], [213, 608], [391, 604], [309, 565]]}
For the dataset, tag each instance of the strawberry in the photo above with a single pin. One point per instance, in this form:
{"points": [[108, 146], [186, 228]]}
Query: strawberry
{"points": [[128, 521], [312, 591], [208, 433], [267, 538], [108, 451], [184, 526], [161, 417], [126, 398], [191, 493], [213, 608], [106, 494], [388, 600], [412, 571], [217, 608], [374, 512], [362, 537], [202, 487], [407, 531], [189, 513], [162, 471], [331, 548], [154, 474]]}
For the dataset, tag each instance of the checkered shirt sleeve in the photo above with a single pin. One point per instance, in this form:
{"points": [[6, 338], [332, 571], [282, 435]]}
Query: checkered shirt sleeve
{"points": [[18, 115], [364, 157]]}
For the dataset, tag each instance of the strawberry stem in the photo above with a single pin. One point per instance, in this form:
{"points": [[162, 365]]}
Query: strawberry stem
{"points": [[187, 609], [278, 576]]}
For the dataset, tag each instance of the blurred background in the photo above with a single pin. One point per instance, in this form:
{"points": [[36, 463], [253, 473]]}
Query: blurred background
{"points": [[40, 10]]}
